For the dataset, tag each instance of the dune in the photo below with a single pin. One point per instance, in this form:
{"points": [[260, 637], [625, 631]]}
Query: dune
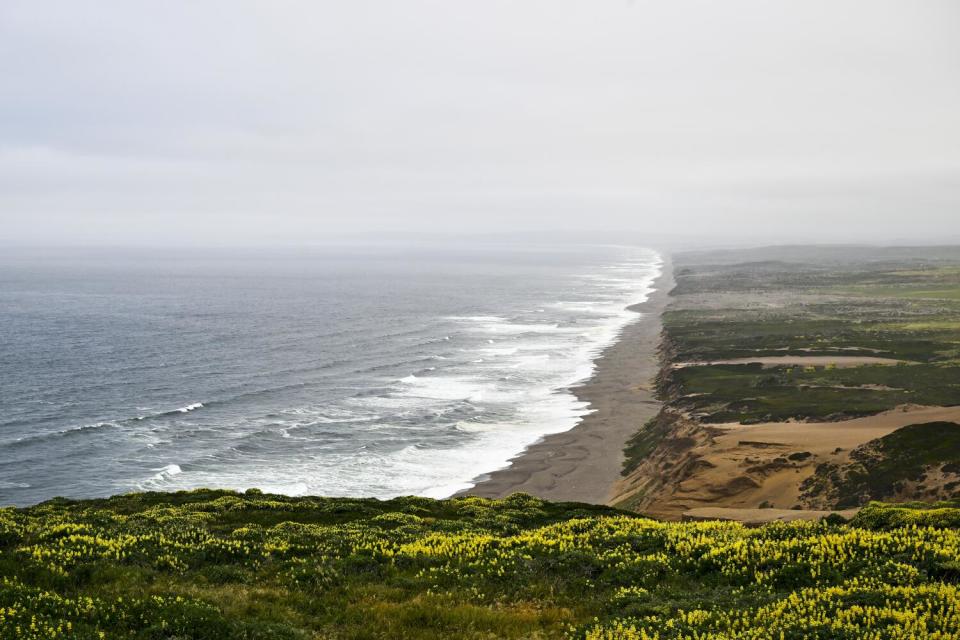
{"points": [[749, 466]]}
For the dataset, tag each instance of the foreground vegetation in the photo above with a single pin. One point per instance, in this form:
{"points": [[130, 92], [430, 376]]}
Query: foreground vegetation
{"points": [[216, 564]]}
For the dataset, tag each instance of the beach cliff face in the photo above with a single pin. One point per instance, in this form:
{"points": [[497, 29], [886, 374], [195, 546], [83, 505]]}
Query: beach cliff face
{"points": [[797, 384], [584, 464]]}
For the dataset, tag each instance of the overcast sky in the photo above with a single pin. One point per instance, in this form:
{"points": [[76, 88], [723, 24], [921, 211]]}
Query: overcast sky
{"points": [[240, 122]]}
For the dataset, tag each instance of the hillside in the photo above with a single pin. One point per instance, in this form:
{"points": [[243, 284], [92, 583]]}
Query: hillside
{"points": [[779, 364], [217, 564]]}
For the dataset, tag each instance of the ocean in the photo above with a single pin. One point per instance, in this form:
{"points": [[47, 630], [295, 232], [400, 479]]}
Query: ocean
{"points": [[343, 371]]}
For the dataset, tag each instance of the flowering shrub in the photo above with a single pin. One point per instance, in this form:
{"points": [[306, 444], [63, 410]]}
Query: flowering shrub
{"points": [[217, 564]]}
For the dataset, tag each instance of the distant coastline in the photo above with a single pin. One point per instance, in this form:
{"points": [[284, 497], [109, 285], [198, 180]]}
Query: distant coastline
{"points": [[584, 463]]}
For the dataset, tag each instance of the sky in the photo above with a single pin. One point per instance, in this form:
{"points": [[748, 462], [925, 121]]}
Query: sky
{"points": [[131, 122]]}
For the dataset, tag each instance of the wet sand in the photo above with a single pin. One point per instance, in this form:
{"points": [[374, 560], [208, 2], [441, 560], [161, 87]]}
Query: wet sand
{"points": [[584, 464]]}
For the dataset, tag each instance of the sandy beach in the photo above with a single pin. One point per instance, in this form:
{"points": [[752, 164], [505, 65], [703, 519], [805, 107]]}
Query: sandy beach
{"points": [[583, 464]]}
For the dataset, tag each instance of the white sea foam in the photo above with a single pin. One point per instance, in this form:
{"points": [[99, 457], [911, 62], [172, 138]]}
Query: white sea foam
{"points": [[191, 407], [444, 388], [504, 327], [168, 471], [63, 432]]}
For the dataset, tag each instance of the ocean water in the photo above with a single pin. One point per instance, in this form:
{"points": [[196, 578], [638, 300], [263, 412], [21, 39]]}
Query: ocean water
{"points": [[376, 371]]}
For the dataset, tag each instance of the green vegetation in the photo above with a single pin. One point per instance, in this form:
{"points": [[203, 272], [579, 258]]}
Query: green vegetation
{"points": [[750, 393], [887, 517], [644, 441], [817, 308], [217, 564], [825, 329], [895, 304], [884, 468]]}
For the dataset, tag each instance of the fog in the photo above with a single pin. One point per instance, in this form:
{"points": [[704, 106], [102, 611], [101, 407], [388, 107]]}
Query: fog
{"points": [[179, 123]]}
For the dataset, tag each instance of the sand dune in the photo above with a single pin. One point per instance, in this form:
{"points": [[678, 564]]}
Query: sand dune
{"points": [[746, 466]]}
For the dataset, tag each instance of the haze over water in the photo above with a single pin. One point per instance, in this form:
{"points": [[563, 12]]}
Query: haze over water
{"points": [[342, 371]]}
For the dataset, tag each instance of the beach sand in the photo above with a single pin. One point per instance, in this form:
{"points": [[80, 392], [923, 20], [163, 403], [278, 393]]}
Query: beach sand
{"points": [[583, 464]]}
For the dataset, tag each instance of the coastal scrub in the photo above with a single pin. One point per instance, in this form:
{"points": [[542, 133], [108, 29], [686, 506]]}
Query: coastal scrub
{"points": [[217, 564]]}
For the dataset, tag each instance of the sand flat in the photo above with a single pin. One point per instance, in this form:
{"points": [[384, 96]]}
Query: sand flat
{"points": [[823, 436]]}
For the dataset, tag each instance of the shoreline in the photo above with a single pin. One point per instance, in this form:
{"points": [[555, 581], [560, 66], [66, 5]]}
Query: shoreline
{"points": [[583, 464]]}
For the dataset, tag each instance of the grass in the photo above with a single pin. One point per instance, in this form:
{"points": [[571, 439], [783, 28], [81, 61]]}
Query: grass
{"points": [[901, 306], [216, 565], [750, 393], [921, 327], [644, 441], [703, 336], [908, 292], [817, 308]]}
